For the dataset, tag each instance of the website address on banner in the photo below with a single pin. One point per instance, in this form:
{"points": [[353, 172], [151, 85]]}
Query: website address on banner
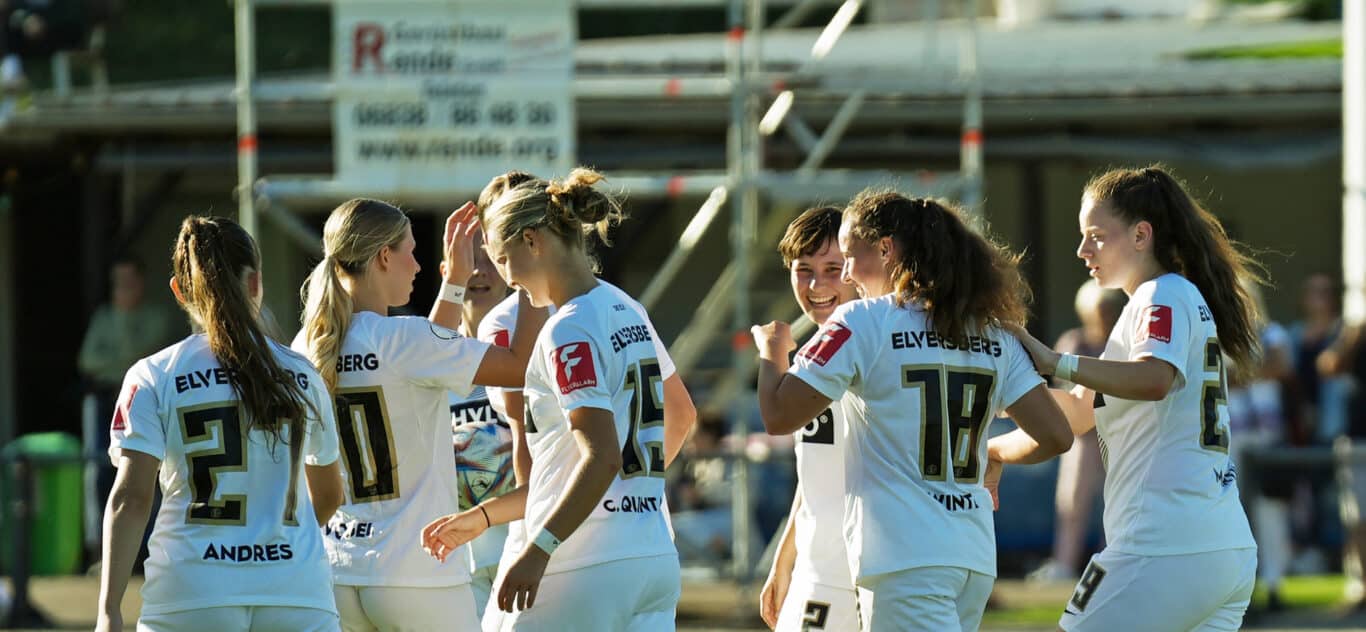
{"points": [[444, 149]]}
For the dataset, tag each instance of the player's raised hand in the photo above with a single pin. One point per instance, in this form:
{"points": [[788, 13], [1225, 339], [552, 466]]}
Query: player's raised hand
{"points": [[444, 535], [523, 580], [1045, 358], [458, 244], [774, 339]]}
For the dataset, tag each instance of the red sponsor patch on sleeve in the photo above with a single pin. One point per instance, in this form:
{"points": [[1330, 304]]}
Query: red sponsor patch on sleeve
{"points": [[502, 339], [826, 342], [124, 408], [573, 364], [1155, 323]]}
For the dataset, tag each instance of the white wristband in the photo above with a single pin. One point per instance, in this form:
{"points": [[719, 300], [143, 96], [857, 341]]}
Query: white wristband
{"points": [[452, 293], [1067, 366], [546, 541]]}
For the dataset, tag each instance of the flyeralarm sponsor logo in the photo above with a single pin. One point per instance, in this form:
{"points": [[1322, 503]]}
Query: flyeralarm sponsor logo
{"points": [[574, 367]]}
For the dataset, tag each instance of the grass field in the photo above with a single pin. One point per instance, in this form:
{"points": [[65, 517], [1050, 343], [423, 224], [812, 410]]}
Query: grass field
{"points": [[1289, 50], [1312, 603]]}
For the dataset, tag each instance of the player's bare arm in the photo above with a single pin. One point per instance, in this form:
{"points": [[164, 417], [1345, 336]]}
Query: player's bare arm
{"points": [[595, 432], [325, 489], [1078, 405], [680, 415], [507, 366], [513, 403], [130, 503], [780, 575], [443, 536], [1149, 379], [786, 403], [1041, 435]]}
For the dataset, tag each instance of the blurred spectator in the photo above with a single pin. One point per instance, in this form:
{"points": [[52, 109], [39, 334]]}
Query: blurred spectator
{"points": [[1322, 405], [38, 28], [120, 333], [1258, 422], [1316, 410], [1081, 475], [700, 496], [1347, 357]]}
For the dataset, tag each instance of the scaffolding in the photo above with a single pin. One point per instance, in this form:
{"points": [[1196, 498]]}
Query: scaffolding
{"points": [[742, 184]]}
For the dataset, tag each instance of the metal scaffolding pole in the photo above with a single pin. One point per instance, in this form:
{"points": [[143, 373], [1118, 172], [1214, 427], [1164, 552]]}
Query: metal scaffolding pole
{"points": [[746, 20], [1354, 160], [971, 148], [245, 40]]}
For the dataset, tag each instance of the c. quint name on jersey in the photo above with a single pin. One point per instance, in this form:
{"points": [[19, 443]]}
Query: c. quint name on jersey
{"points": [[631, 504], [630, 335], [930, 339], [240, 553], [223, 377], [955, 502]]}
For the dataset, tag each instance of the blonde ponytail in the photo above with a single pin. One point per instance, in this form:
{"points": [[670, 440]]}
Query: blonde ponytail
{"points": [[355, 232], [327, 316]]}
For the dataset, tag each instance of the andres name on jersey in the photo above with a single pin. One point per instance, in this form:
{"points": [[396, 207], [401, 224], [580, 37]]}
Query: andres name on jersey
{"points": [[631, 504], [248, 552], [821, 429], [930, 339], [222, 377]]}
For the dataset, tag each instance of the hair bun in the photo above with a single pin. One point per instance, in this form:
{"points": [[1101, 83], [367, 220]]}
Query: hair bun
{"points": [[577, 197]]}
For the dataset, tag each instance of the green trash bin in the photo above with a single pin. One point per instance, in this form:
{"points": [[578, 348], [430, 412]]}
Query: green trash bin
{"points": [[55, 539]]}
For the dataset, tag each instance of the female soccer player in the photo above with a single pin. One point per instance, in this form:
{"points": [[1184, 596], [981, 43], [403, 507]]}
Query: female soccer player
{"points": [[488, 309], [484, 291], [595, 424], [809, 583], [922, 368], [225, 417], [389, 377], [1179, 547]]}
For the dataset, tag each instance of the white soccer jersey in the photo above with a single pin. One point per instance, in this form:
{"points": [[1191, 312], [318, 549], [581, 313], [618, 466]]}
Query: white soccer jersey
{"points": [[488, 547], [598, 351], [917, 407], [1170, 487], [822, 557], [496, 329], [497, 326], [221, 537], [393, 419]]}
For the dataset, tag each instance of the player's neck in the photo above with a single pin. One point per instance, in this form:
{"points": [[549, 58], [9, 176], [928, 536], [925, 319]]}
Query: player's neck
{"points": [[571, 280], [1148, 270], [363, 297]]}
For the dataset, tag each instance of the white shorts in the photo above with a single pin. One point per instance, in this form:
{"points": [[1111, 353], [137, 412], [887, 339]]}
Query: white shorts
{"points": [[406, 609], [618, 596], [481, 584], [812, 606], [1200, 591], [242, 619], [932, 598]]}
